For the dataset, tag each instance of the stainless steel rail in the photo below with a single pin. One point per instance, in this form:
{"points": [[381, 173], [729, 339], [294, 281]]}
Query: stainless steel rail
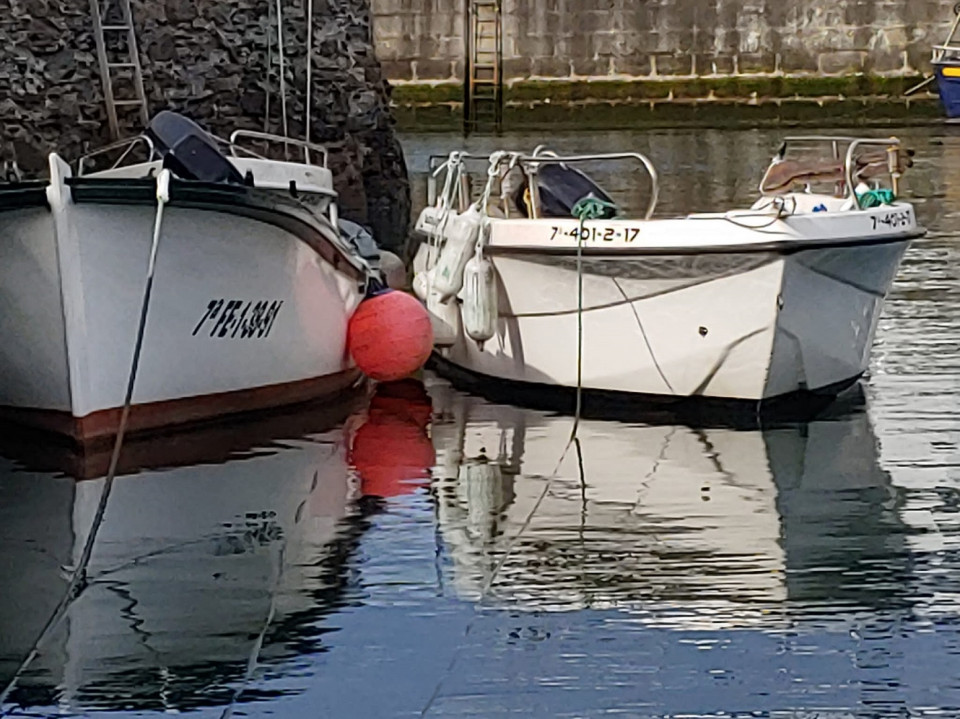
{"points": [[128, 144], [304, 145], [541, 156]]}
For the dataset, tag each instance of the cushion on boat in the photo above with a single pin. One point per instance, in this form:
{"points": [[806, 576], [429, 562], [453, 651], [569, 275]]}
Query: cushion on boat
{"points": [[783, 174]]}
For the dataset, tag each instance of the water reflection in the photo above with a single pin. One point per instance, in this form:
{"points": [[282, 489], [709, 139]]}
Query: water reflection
{"points": [[288, 568], [219, 551], [701, 527]]}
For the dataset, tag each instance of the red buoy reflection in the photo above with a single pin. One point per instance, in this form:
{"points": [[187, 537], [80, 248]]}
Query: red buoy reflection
{"points": [[391, 451]]}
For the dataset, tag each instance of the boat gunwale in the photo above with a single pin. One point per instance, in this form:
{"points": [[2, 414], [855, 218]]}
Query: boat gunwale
{"points": [[218, 197], [780, 247], [31, 194]]}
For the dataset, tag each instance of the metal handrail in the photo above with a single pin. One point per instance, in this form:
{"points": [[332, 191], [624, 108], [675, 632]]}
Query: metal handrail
{"points": [[549, 157], [128, 143], [304, 145], [552, 159], [892, 145]]}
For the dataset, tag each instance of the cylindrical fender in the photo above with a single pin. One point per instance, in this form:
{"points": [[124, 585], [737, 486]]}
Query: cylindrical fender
{"points": [[480, 310]]}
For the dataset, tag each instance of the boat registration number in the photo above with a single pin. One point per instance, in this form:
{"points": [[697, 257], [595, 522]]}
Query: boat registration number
{"points": [[596, 234], [892, 220], [241, 319]]}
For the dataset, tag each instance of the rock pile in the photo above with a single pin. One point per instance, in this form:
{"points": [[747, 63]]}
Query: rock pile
{"points": [[216, 62]]}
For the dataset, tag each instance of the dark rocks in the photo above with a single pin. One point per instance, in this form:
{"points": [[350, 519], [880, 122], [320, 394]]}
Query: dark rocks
{"points": [[209, 60]]}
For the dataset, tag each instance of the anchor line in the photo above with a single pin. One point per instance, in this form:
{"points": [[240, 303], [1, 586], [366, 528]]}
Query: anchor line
{"points": [[78, 580]]}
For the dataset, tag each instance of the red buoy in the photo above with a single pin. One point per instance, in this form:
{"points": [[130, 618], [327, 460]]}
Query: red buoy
{"points": [[390, 336]]}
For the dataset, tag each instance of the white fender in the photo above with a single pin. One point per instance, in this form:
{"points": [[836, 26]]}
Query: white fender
{"points": [[425, 258], [480, 310], [422, 282], [461, 232], [445, 318]]}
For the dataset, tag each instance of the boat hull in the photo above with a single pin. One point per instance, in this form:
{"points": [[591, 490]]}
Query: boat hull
{"points": [[948, 81], [244, 315], [748, 326]]}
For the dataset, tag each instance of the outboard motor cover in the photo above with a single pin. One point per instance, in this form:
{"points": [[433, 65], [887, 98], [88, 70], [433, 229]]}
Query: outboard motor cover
{"points": [[189, 151]]}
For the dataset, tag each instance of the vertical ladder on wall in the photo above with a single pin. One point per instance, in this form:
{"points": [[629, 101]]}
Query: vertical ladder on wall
{"points": [[119, 59], [483, 101]]}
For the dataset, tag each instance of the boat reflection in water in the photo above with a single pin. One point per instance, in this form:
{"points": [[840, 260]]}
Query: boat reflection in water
{"points": [[228, 558], [695, 528], [220, 549]]}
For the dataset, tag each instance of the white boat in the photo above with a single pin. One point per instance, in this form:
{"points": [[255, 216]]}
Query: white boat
{"points": [[256, 278], [778, 301]]}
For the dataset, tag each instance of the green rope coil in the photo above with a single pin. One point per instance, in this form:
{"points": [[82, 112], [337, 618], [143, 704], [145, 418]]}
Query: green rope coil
{"points": [[593, 208], [875, 198]]}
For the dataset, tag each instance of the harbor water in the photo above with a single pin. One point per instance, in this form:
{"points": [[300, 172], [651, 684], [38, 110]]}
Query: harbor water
{"points": [[430, 554]]}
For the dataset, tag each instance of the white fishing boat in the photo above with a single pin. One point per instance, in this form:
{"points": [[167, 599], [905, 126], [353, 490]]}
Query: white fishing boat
{"points": [[777, 301], [255, 281]]}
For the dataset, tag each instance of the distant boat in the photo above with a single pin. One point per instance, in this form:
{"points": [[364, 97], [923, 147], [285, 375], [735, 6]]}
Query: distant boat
{"points": [[777, 302], [946, 66], [256, 279]]}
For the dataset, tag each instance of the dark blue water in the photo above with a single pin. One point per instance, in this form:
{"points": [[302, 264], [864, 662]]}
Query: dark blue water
{"points": [[423, 554]]}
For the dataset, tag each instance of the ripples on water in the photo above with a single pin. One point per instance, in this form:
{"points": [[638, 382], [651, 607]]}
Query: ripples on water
{"points": [[425, 558]]}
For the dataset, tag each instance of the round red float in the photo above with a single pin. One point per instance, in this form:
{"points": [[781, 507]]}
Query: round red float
{"points": [[390, 336]]}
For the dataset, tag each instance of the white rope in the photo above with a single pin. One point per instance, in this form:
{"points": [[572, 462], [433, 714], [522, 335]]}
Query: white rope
{"points": [[283, 80], [309, 108], [269, 78]]}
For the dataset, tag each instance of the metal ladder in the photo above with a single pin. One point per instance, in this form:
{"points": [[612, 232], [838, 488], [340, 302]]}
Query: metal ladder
{"points": [[115, 17], [483, 101]]}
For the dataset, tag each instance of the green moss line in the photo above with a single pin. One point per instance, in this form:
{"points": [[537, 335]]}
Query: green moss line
{"points": [[747, 88], [863, 112]]}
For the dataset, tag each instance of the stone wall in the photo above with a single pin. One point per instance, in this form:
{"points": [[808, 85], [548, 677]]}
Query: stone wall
{"points": [[421, 41], [208, 59]]}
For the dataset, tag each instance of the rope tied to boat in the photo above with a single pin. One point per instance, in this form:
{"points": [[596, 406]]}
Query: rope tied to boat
{"points": [[587, 208]]}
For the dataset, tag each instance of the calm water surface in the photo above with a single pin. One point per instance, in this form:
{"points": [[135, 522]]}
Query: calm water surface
{"points": [[426, 558]]}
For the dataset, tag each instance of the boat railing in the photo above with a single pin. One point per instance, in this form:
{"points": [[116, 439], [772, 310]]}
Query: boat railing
{"points": [[308, 149], [530, 165], [546, 157], [127, 146], [845, 167]]}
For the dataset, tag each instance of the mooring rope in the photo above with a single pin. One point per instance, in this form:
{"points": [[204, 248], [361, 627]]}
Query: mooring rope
{"points": [[588, 208], [78, 579]]}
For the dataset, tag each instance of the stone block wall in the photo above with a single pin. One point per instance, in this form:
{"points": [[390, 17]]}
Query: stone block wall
{"points": [[209, 60], [421, 41]]}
